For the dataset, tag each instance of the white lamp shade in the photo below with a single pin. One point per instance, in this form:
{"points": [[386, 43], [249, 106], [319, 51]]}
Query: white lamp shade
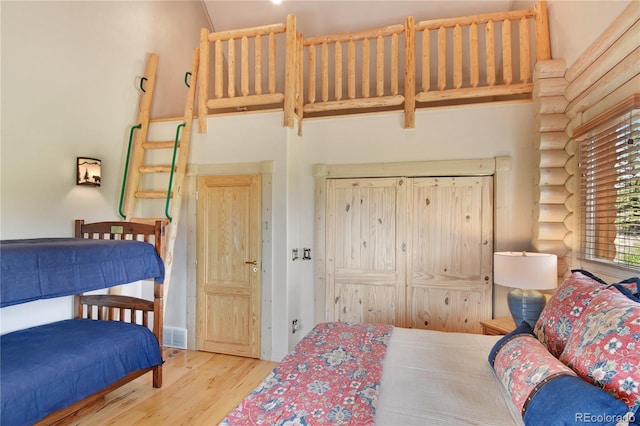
{"points": [[525, 270]]}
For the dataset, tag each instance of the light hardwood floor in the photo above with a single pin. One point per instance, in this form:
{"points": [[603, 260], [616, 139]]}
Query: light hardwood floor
{"points": [[199, 388]]}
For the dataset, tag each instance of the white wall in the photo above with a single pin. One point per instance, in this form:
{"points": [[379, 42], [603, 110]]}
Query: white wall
{"points": [[575, 24], [68, 90]]}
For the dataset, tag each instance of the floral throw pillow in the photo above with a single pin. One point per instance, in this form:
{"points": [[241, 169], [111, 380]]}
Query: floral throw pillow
{"points": [[523, 365], [604, 347], [564, 307]]}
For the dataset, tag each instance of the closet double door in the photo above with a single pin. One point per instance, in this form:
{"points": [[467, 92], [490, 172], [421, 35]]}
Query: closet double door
{"points": [[410, 251]]}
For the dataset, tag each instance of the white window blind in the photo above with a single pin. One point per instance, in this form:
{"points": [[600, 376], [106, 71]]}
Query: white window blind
{"points": [[609, 158]]}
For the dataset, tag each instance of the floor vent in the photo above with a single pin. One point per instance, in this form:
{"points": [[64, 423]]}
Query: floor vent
{"points": [[174, 337]]}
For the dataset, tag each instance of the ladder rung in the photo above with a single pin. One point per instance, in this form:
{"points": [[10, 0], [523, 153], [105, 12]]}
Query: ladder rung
{"points": [[152, 194], [149, 220], [155, 169], [159, 145]]}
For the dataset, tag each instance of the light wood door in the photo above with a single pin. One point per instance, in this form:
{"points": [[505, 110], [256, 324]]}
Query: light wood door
{"points": [[450, 248], [228, 243], [365, 257]]}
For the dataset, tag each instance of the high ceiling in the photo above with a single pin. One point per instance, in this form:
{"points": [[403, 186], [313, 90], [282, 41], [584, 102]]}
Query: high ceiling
{"points": [[325, 17]]}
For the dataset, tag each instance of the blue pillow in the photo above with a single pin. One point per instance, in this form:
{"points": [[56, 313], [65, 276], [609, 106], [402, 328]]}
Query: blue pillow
{"points": [[569, 400], [524, 328]]}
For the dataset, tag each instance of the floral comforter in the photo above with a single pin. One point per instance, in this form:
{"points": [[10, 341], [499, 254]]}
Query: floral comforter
{"points": [[331, 377]]}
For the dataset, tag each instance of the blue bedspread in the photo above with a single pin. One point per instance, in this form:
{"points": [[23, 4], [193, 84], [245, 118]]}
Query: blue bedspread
{"points": [[51, 267], [48, 367]]}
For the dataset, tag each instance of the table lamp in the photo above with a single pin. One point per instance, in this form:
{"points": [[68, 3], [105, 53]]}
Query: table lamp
{"points": [[525, 273]]}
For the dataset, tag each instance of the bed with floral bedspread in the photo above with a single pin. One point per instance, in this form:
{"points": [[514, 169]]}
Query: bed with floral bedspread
{"points": [[331, 377]]}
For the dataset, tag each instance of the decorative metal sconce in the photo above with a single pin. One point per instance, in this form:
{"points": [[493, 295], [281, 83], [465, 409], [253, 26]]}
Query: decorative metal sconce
{"points": [[88, 171]]}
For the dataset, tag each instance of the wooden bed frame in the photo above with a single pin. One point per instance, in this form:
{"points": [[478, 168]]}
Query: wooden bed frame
{"points": [[116, 308]]}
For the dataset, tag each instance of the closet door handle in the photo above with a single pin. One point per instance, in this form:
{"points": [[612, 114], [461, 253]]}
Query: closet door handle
{"points": [[251, 262]]}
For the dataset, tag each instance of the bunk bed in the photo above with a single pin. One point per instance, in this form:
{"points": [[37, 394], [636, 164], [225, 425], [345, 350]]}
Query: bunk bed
{"points": [[54, 372]]}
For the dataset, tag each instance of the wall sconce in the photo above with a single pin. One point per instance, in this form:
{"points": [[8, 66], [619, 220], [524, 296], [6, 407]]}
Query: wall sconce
{"points": [[88, 171]]}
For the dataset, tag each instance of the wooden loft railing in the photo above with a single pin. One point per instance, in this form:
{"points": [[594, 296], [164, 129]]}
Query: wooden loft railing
{"points": [[370, 71], [248, 97]]}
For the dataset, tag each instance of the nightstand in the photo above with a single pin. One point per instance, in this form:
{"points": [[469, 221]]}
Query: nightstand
{"points": [[498, 326]]}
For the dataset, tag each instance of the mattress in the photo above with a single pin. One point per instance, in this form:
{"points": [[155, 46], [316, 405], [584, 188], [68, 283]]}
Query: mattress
{"points": [[438, 378], [44, 268], [48, 367]]}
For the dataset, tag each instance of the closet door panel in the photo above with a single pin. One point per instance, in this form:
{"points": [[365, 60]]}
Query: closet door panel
{"points": [[365, 261], [449, 252]]}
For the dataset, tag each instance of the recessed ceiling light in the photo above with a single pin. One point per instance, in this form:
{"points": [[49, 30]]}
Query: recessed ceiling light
{"points": [[276, 1]]}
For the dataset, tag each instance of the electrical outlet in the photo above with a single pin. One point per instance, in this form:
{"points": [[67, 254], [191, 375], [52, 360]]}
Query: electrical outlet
{"points": [[294, 326]]}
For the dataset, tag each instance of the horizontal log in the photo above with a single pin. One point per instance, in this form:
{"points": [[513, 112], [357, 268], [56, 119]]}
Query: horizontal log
{"points": [[553, 176], [569, 221], [570, 202], [552, 213], [622, 48], [572, 184], [473, 19], [552, 231], [553, 68], [550, 104], [242, 101], [474, 92], [355, 36], [553, 194], [383, 101], [247, 32], [552, 140], [616, 77], [571, 166], [553, 158], [559, 248], [549, 87], [626, 105], [551, 122]]}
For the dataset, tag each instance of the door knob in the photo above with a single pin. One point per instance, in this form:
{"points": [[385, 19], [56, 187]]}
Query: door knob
{"points": [[251, 262]]}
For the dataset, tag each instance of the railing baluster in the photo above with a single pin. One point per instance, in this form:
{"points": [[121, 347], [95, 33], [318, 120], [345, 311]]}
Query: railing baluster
{"points": [[525, 52], [311, 97], [272, 63], [380, 66], [351, 70], [231, 65], [491, 57], [258, 65], [338, 70], [507, 71], [394, 64], [219, 78], [473, 55], [366, 61], [426, 59], [442, 58], [325, 72], [457, 56], [244, 66]]}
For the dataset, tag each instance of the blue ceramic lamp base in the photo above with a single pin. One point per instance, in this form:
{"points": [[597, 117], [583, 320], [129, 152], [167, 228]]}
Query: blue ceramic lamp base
{"points": [[525, 305]]}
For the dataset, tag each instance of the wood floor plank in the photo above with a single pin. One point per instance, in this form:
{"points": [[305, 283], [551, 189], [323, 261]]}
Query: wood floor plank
{"points": [[199, 388]]}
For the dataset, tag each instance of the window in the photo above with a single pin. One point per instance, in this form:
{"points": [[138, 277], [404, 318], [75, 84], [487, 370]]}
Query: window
{"points": [[609, 160]]}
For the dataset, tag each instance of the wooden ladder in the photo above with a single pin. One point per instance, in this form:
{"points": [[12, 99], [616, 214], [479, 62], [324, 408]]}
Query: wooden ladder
{"points": [[150, 164]]}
